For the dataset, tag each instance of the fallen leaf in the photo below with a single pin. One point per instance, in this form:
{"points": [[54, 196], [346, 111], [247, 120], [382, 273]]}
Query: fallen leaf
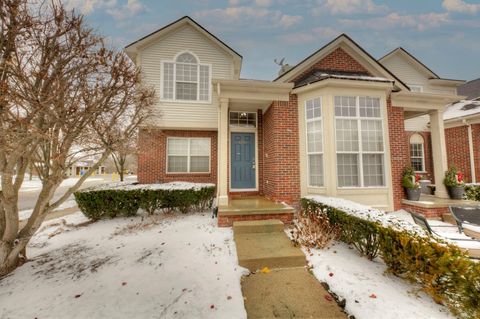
{"points": [[78, 296], [212, 306], [328, 297], [229, 297], [265, 270], [374, 296], [124, 283], [331, 274]]}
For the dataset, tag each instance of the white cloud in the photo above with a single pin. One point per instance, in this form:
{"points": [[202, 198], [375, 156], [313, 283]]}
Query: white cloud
{"points": [[129, 9], [316, 35], [460, 6], [112, 7], [250, 16], [348, 7], [420, 22]]}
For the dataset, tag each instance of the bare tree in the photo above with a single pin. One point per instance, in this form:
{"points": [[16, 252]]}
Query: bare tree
{"points": [[63, 95], [121, 153]]}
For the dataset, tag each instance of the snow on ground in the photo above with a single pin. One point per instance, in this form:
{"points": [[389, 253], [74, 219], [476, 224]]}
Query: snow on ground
{"points": [[370, 292], [162, 186], [35, 184], [24, 214], [166, 266]]}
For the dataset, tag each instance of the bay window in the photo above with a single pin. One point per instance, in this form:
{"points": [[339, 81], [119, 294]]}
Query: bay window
{"points": [[313, 113], [188, 155], [185, 79], [359, 141]]}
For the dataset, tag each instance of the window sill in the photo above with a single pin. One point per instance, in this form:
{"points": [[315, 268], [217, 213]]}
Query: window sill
{"points": [[186, 101]]}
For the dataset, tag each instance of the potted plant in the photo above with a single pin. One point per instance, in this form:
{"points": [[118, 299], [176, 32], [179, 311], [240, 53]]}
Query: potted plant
{"points": [[410, 184], [454, 183]]}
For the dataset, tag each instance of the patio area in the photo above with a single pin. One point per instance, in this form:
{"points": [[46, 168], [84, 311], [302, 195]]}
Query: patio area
{"points": [[435, 207]]}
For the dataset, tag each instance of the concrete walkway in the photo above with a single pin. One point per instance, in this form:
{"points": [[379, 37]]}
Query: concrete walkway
{"points": [[280, 286]]}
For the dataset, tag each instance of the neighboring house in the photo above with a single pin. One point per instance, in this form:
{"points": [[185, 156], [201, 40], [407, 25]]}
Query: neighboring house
{"points": [[332, 125], [81, 167], [462, 134]]}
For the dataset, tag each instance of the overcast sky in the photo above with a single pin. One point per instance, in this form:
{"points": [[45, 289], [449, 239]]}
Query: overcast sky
{"points": [[443, 34]]}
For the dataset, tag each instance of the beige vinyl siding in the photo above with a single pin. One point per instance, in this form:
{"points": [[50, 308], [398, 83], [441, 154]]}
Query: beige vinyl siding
{"points": [[408, 73], [185, 114]]}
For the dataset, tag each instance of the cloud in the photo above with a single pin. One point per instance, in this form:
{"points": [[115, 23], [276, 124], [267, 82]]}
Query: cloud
{"points": [[419, 22], [315, 35], [460, 6], [250, 16], [348, 7], [129, 9], [111, 7], [263, 3]]}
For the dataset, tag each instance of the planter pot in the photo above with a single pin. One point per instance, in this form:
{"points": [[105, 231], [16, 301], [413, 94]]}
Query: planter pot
{"points": [[456, 192], [413, 193]]}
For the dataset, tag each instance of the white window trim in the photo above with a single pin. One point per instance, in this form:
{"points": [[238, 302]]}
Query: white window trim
{"points": [[306, 142], [174, 100], [188, 155], [360, 145], [234, 126], [420, 87], [422, 147]]}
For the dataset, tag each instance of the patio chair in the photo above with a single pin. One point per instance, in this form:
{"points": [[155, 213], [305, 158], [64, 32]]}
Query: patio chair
{"points": [[468, 219], [464, 243]]}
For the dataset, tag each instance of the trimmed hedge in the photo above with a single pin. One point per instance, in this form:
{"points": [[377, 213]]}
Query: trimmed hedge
{"points": [[472, 192], [125, 201], [444, 271]]}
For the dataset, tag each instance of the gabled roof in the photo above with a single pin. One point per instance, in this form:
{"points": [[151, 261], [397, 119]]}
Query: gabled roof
{"points": [[412, 58], [134, 46], [342, 39]]}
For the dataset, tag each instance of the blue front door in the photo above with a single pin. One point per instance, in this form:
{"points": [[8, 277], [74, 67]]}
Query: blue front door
{"points": [[243, 160]]}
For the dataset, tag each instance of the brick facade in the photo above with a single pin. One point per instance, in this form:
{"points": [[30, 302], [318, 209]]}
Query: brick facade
{"points": [[428, 212], [337, 60], [281, 173], [152, 158], [398, 150], [476, 149], [458, 151]]}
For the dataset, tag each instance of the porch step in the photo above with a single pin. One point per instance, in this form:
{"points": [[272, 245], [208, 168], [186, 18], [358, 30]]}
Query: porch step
{"points": [[258, 226], [273, 250]]}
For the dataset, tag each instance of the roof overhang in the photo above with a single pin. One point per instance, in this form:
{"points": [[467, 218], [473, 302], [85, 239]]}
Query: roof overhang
{"points": [[463, 120], [402, 52], [344, 83], [423, 102], [252, 93], [446, 82], [135, 47], [352, 48]]}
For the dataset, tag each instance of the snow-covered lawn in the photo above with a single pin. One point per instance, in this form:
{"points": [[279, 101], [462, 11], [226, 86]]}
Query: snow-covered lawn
{"points": [[370, 293], [35, 184], [171, 266]]}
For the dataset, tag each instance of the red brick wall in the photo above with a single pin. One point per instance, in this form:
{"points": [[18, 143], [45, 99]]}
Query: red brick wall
{"points": [[398, 150], [152, 157], [427, 149], [338, 60], [458, 153], [476, 149], [281, 174]]}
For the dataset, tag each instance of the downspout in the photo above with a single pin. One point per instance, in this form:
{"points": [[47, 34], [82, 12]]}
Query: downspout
{"points": [[470, 148], [218, 140]]}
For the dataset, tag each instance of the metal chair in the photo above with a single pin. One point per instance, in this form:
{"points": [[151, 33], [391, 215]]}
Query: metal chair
{"points": [[465, 214]]}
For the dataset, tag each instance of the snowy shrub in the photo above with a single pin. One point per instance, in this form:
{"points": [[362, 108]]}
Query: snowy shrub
{"points": [[313, 230], [121, 199], [444, 271], [472, 192]]}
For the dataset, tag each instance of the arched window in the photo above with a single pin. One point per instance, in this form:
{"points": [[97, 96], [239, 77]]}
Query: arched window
{"points": [[417, 152], [186, 79]]}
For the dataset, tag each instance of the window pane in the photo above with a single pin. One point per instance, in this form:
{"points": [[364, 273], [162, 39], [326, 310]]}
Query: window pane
{"points": [[199, 164], [177, 164], [168, 80], [186, 58], [315, 169], [177, 146], [347, 135], [345, 106], [369, 107], [200, 146], [314, 136], [373, 170], [186, 91], [372, 136], [347, 170], [204, 85], [313, 108], [186, 73], [243, 119], [417, 164]]}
